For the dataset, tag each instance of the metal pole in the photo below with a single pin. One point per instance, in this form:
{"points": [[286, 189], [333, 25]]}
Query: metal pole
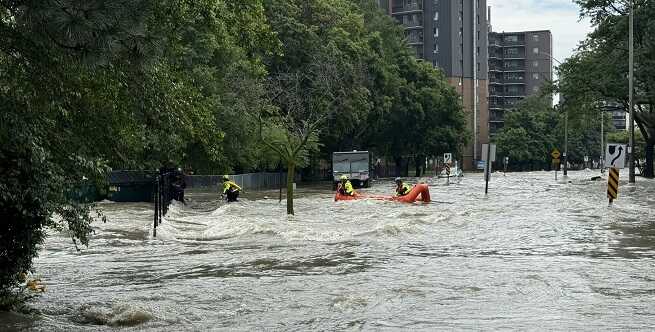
{"points": [[156, 214], [566, 141], [475, 81], [487, 171], [602, 141], [631, 160]]}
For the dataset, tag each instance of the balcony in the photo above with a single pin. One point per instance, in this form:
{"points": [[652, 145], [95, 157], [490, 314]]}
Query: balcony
{"points": [[410, 24], [496, 68], [406, 9]]}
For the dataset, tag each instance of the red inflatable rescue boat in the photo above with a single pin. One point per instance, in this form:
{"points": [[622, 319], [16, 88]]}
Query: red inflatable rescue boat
{"points": [[420, 192]]}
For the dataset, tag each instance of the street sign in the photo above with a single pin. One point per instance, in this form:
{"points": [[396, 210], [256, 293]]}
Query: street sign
{"points": [[448, 158], [555, 154], [492, 152], [555, 162], [586, 159], [613, 184], [615, 155], [489, 156]]}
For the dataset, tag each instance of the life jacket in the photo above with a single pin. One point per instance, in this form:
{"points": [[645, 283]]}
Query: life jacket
{"points": [[346, 189], [403, 190], [227, 185]]}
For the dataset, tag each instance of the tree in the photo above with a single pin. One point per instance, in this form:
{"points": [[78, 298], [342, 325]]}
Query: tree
{"points": [[530, 133], [598, 72], [92, 84]]}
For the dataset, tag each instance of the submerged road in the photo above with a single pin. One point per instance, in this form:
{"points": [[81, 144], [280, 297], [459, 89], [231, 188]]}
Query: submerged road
{"points": [[534, 254]]}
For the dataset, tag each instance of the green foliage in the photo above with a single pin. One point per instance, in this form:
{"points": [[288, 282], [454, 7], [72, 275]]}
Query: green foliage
{"points": [[597, 73], [530, 133]]}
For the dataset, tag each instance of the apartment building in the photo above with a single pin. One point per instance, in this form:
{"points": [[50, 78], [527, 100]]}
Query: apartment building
{"points": [[520, 63], [452, 35]]}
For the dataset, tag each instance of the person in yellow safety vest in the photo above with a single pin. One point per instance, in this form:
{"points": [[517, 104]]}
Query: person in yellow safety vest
{"points": [[402, 189], [230, 189], [345, 187]]}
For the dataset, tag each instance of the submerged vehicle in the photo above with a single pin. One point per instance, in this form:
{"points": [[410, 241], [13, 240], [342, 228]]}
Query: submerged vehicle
{"points": [[354, 165], [420, 192]]}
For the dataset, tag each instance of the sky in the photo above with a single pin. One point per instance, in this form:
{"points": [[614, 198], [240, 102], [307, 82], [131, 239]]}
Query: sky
{"points": [[561, 17]]}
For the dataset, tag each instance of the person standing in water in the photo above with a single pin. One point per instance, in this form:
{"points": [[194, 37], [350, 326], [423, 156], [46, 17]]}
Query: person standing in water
{"points": [[230, 189]]}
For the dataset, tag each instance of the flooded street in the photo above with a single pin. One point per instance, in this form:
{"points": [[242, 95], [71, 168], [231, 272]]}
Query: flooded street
{"points": [[533, 254]]}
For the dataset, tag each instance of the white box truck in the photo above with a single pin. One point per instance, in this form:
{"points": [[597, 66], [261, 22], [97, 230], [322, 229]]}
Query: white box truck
{"points": [[355, 165]]}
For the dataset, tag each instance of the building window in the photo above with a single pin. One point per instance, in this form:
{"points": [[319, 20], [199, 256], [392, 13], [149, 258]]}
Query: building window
{"points": [[460, 81], [478, 66], [436, 63], [535, 50], [511, 38], [535, 89], [436, 48], [461, 30], [436, 16], [511, 52], [535, 76], [535, 38], [478, 34], [535, 63], [436, 32]]}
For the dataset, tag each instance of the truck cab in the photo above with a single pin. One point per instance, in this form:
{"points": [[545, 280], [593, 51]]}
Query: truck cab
{"points": [[355, 165]]}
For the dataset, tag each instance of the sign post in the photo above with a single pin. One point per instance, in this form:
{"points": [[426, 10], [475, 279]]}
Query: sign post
{"points": [[505, 164], [613, 184], [489, 156], [448, 161], [555, 154], [615, 160]]}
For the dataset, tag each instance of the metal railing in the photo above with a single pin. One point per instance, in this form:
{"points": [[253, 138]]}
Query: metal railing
{"points": [[249, 181], [161, 198]]}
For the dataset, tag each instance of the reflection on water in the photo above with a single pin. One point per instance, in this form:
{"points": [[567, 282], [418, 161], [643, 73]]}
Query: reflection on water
{"points": [[533, 254]]}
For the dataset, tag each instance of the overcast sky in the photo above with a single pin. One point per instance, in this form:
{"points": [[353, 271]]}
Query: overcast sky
{"points": [[561, 17]]}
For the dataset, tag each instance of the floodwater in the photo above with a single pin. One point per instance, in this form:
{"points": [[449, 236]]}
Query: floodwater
{"points": [[535, 254]]}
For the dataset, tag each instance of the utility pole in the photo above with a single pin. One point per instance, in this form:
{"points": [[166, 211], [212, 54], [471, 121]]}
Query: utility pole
{"points": [[566, 140], [631, 150], [475, 80], [602, 140]]}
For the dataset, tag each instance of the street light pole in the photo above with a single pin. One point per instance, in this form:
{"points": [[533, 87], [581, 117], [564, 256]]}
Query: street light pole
{"points": [[566, 141], [631, 150], [566, 125], [602, 141]]}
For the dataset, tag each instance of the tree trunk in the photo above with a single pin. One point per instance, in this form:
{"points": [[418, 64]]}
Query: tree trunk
{"points": [[648, 168], [291, 172], [417, 161]]}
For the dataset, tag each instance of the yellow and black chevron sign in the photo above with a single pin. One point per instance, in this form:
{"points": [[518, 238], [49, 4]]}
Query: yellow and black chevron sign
{"points": [[613, 184]]}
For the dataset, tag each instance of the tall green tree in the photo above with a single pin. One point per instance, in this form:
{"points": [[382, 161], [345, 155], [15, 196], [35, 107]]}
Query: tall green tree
{"points": [[598, 72]]}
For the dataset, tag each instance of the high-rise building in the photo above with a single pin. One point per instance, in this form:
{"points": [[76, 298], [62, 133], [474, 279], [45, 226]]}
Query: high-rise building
{"points": [[519, 64], [452, 35]]}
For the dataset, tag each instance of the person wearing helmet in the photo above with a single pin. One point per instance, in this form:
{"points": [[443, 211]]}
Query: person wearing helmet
{"points": [[402, 189], [230, 189], [345, 187]]}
